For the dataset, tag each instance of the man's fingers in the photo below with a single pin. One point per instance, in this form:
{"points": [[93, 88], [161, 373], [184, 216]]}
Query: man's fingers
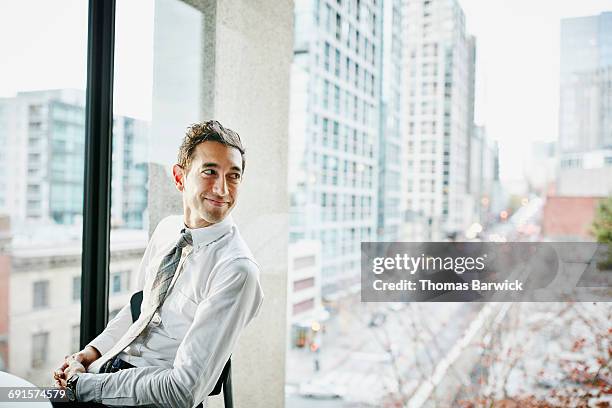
{"points": [[71, 364], [59, 372]]}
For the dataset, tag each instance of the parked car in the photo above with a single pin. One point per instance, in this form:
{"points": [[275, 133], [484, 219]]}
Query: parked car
{"points": [[321, 390]]}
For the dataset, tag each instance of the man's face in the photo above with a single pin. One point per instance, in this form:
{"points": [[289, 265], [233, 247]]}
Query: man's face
{"points": [[210, 185]]}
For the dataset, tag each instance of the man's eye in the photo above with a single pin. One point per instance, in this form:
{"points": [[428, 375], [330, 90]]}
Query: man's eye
{"points": [[209, 172], [235, 176]]}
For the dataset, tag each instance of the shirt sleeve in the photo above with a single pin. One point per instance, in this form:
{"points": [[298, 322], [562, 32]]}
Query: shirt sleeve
{"points": [[233, 301], [119, 325]]}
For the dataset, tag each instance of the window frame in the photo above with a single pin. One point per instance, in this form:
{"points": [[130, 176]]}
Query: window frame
{"points": [[98, 149]]}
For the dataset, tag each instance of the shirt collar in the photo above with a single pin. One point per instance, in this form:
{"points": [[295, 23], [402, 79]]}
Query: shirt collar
{"points": [[206, 235]]}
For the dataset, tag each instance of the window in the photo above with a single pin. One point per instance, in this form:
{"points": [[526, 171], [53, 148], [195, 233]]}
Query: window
{"points": [[119, 281], [116, 283], [41, 294], [42, 115], [40, 345], [303, 284], [337, 64], [76, 288], [303, 306], [326, 93], [75, 333], [337, 99]]}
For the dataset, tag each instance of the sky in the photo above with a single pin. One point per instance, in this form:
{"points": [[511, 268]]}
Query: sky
{"points": [[518, 43], [47, 49], [517, 95]]}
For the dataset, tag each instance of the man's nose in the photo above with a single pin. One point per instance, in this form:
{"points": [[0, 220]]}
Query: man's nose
{"points": [[220, 187]]}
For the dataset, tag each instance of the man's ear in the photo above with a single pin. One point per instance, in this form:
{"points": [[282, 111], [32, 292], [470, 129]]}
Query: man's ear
{"points": [[178, 174]]}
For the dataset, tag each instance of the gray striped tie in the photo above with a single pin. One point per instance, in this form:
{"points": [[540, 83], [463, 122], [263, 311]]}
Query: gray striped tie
{"points": [[159, 289], [167, 269]]}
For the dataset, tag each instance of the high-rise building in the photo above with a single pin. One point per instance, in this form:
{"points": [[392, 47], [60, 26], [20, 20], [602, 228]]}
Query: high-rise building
{"points": [[585, 106], [484, 174], [585, 111], [438, 112], [42, 166], [391, 166], [334, 131], [540, 166]]}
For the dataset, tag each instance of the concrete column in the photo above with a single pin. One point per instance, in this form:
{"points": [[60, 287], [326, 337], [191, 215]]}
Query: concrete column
{"points": [[244, 83], [253, 53]]}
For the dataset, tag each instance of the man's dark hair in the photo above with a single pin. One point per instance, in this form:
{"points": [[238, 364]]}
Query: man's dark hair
{"points": [[211, 131]]}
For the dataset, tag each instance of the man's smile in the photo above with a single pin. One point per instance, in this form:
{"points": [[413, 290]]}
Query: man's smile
{"points": [[216, 203]]}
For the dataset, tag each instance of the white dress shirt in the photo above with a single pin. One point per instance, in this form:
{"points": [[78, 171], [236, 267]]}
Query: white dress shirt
{"points": [[180, 355]]}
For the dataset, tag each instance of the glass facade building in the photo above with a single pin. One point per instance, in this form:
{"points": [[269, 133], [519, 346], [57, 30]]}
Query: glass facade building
{"points": [[46, 134], [585, 115], [334, 132], [585, 107], [392, 162], [439, 113]]}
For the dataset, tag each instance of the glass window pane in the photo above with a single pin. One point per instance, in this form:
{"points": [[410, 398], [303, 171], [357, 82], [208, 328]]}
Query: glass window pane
{"points": [[42, 134], [41, 294], [157, 86], [76, 288], [40, 347]]}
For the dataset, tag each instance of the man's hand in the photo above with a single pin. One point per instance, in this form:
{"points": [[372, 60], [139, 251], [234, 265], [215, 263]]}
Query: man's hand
{"points": [[73, 368], [77, 362]]}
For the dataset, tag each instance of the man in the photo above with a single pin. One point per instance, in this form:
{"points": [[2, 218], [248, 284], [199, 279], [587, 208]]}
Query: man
{"points": [[201, 288]]}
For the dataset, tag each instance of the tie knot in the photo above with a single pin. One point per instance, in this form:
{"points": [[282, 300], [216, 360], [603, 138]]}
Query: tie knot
{"points": [[185, 239]]}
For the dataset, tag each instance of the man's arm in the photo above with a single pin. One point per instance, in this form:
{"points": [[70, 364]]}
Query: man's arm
{"points": [[234, 299], [114, 329]]}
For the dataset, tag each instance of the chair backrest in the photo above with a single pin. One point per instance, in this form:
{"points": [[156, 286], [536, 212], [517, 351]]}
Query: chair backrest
{"points": [[224, 378]]}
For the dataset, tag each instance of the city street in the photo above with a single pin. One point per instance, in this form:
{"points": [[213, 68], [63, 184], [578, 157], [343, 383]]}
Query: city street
{"points": [[362, 364]]}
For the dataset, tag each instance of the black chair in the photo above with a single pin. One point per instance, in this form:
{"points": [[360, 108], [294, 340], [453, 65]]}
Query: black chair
{"points": [[225, 380]]}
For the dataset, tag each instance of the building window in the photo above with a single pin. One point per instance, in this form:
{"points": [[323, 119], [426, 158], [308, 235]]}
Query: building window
{"points": [[41, 294], [304, 261], [76, 288], [75, 338], [337, 64], [326, 93], [303, 306], [337, 99], [40, 343], [303, 284], [119, 281]]}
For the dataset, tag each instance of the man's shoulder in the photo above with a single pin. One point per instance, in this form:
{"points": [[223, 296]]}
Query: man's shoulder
{"points": [[236, 244], [235, 249], [170, 223]]}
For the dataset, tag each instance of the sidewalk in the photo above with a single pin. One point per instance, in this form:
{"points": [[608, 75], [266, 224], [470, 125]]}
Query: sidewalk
{"points": [[335, 350]]}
